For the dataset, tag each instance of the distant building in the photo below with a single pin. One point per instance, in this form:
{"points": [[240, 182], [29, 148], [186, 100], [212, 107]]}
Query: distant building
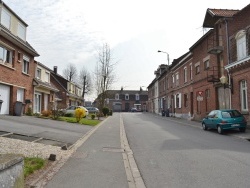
{"points": [[124, 100]]}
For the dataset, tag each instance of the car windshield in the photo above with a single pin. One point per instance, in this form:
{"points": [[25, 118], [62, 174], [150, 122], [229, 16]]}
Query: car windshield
{"points": [[231, 114]]}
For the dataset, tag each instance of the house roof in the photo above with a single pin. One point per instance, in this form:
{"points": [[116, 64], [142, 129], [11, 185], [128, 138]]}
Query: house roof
{"points": [[213, 15], [42, 84]]}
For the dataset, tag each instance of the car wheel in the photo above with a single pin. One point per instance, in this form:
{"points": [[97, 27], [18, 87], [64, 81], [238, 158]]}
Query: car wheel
{"points": [[242, 130], [219, 129], [204, 127]]}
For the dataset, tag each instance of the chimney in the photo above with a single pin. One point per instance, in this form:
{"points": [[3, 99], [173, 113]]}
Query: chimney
{"points": [[55, 69]]}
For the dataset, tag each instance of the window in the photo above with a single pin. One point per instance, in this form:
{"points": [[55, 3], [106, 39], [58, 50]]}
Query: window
{"points": [[197, 69], [126, 96], [243, 95], [185, 74], [19, 56], [178, 100], [5, 19], [5, 55], [185, 100], [26, 64], [172, 80], [21, 33], [191, 72], [206, 65], [137, 97], [207, 93], [116, 96], [177, 79], [241, 44], [47, 77], [38, 73]]}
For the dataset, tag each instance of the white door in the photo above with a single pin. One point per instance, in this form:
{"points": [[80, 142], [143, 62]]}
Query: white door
{"points": [[37, 103], [5, 96]]}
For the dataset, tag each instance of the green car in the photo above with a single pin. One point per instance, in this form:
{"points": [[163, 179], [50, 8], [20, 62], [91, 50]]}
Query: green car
{"points": [[224, 120]]}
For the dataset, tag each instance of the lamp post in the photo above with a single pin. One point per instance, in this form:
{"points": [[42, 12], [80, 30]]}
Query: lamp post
{"points": [[165, 53]]}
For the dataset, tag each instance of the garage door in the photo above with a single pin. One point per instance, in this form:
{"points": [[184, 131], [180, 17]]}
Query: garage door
{"points": [[5, 96]]}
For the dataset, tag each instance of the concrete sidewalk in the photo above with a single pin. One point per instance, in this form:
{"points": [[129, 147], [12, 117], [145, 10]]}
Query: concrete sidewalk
{"points": [[98, 162]]}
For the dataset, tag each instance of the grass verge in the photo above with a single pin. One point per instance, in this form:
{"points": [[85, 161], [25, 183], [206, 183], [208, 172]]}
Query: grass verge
{"points": [[84, 121], [32, 164]]}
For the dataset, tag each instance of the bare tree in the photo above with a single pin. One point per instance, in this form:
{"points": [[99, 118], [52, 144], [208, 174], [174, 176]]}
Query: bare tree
{"points": [[70, 72], [85, 82], [104, 73]]}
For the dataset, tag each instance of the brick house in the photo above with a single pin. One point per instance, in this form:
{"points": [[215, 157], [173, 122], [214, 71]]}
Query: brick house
{"points": [[44, 90], [69, 92], [214, 73], [123, 100], [17, 66]]}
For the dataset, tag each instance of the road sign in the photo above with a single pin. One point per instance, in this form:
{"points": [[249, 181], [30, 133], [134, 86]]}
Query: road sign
{"points": [[200, 93], [199, 98]]}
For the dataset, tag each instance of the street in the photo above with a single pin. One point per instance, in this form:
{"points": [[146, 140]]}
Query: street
{"points": [[170, 154]]}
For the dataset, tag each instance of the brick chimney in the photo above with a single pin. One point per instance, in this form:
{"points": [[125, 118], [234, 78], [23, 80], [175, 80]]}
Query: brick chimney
{"points": [[55, 69]]}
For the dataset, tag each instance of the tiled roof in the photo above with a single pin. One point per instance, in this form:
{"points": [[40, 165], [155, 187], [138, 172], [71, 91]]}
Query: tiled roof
{"points": [[223, 12], [49, 86], [213, 15]]}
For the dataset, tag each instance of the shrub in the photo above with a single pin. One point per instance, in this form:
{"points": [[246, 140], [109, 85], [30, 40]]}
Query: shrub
{"points": [[110, 112], [79, 114], [92, 116], [29, 112], [105, 111], [46, 113], [68, 115]]}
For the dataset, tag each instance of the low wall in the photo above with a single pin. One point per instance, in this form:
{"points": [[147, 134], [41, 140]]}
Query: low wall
{"points": [[11, 171]]}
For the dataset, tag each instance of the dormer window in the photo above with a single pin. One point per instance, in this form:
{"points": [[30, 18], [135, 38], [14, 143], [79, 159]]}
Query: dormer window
{"points": [[116, 96], [5, 18], [21, 31], [241, 44], [47, 77], [126, 96], [38, 73]]}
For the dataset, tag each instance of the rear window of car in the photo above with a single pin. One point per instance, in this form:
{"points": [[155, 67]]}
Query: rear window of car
{"points": [[231, 114]]}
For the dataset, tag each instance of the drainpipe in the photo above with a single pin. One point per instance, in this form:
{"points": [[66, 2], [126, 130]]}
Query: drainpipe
{"points": [[229, 76]]}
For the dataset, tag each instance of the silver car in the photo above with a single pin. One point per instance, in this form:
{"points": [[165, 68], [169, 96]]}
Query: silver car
{"points": [[71, 110], [92, 109]]}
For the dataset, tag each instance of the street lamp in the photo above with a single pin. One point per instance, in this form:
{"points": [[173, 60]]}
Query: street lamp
{"points": [[165, 53]]}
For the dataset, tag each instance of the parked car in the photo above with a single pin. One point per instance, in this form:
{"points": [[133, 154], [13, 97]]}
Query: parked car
{"points": [[224, 120], [92, 109], [134, 110], [71, 110]]}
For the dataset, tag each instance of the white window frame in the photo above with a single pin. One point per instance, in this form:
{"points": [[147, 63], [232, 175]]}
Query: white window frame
{"points": [[38, 73], [47, 77], [117, 96], [241, 44], [126, 96], [185, 74], [26, 61], [178, 96], [21, 31], [243, 95], [191, 71], [177, 78], [137, 97], [5, 18], [6, 55], [20, 94]]}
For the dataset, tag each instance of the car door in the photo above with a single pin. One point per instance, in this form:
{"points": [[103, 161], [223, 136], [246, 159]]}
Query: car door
{"points": [[209, 119], [215, 119]]}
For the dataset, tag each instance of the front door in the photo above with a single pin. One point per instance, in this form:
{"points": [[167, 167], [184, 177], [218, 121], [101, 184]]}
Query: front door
{"points": [[5, 97], [37, 103]]}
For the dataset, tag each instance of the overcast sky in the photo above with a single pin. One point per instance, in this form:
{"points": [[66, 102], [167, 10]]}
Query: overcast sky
{"points": [[71, 31]]}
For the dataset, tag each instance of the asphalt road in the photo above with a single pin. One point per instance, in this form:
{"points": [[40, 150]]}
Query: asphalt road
{"points": [[45, 128], [179, 154]]}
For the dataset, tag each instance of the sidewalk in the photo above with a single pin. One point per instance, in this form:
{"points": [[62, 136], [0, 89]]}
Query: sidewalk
{"points": [[97, 162]]}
